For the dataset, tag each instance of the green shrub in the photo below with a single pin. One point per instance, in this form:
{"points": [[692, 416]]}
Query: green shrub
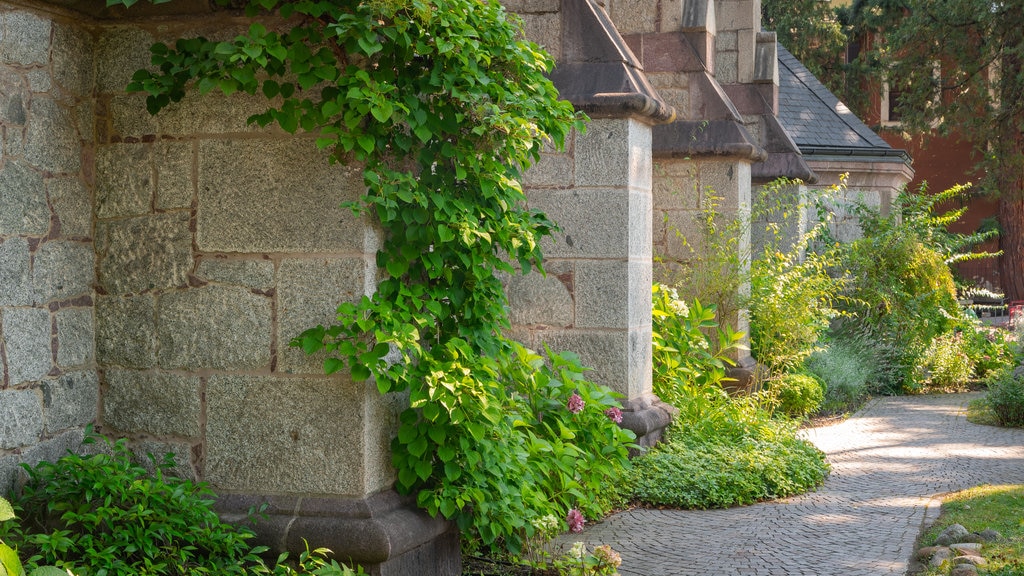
{"points": [[846, 368], [104, 515], [991, 350], [1006, 399], [690, 350], [901, 288], [945, 365], [796, 395], [792, 292], [689, 472]]}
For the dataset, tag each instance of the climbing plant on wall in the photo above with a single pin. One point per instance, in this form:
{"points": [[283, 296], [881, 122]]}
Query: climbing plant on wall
{"points": [[445, 105]]}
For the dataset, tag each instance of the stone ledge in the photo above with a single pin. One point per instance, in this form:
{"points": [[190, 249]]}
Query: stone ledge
{"points": [[384, 533]]}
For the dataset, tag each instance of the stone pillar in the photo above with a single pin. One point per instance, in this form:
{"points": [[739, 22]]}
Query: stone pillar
{"points": [[596, 299], [49, 386], [217, 243]]}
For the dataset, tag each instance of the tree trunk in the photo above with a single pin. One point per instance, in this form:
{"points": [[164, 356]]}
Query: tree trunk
{"points": [[1011, 263]]}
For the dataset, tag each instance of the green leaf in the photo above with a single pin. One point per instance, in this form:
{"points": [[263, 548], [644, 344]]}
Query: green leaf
{"points": [[360, 372], [382, 111], [332, 365], [48, 571], [6, 510], [424, 469], [10, 562]]}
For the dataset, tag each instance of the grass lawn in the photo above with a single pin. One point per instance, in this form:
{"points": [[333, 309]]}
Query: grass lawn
{"points": [[999, 508]]}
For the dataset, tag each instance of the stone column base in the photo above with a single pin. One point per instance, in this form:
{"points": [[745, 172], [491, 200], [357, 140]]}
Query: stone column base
{"points": [[385, 533], [647, 416]]}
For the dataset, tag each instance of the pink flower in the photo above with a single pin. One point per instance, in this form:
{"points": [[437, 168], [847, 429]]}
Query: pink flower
{"points": [[614, 414], [576, 403], [575, 520]]}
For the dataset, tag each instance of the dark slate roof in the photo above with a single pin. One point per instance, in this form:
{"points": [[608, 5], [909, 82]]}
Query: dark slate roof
{"points": [[817, 121]]}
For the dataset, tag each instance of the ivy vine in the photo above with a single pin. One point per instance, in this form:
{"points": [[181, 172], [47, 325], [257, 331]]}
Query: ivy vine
{"points": [[445, 105]]}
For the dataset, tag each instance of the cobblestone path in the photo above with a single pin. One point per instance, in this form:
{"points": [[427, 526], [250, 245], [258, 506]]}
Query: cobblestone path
{"points": [[890, 462]]}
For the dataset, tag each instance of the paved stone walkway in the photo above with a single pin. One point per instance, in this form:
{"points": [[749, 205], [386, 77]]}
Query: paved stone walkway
{"points": [[889, 463]]}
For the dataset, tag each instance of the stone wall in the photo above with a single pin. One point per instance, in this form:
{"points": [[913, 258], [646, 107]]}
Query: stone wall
{"points": [[49, 389]]}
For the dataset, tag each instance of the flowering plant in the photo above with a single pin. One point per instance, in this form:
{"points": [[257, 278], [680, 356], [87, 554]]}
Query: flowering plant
{"points": [[580, 561]]}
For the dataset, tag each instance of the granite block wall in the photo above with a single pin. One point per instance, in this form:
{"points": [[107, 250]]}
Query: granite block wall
{"points": [[50, 388]]}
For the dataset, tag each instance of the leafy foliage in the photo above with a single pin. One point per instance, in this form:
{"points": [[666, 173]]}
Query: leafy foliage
{"points": [[945, 365], [901, 288], [1006, 398], [811, 31], [685, 358], [103, 515], [444, 105], [723, 450], [848, 368], [795, 394], [793, 292], [692, 471]]}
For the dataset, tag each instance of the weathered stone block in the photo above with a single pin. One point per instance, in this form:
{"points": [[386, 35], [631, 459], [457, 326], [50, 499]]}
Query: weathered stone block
{"points": [[594, 222], [727, 67], [21, 418], [129, 118], [634, 16], [121, 51], [612, 293], [286, 435], [14, 96], [153, 402], [173, 162], [256, 274], [39, 80], [676, 185], [543, 300], [23, 198], [607, 352], [144, 253], [71, 203], [53, 449], [546, 30], [70, 401], [219, 327], [293, 204], [531, 6], [126, 331], [76, 336], [62, 270], [15, 281], [26, 334], [72, 57], [9, 471], [613, 153], [552, 170], [309, 292], [681, 235], [25, 39], [51, 141], [212, 113], [124, 180]]}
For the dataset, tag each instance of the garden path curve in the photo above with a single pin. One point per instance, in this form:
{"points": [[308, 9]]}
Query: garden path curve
{"points": [[890, 462]]}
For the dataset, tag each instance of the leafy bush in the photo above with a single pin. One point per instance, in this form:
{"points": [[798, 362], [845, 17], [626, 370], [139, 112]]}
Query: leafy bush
{"points": [[795, 394], [945, 365], [690, 350], [104, 515], [702, 472], [901, 288], [792, 292], [847, 369], [1006, 398], [991, 350], [722, 450]]}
